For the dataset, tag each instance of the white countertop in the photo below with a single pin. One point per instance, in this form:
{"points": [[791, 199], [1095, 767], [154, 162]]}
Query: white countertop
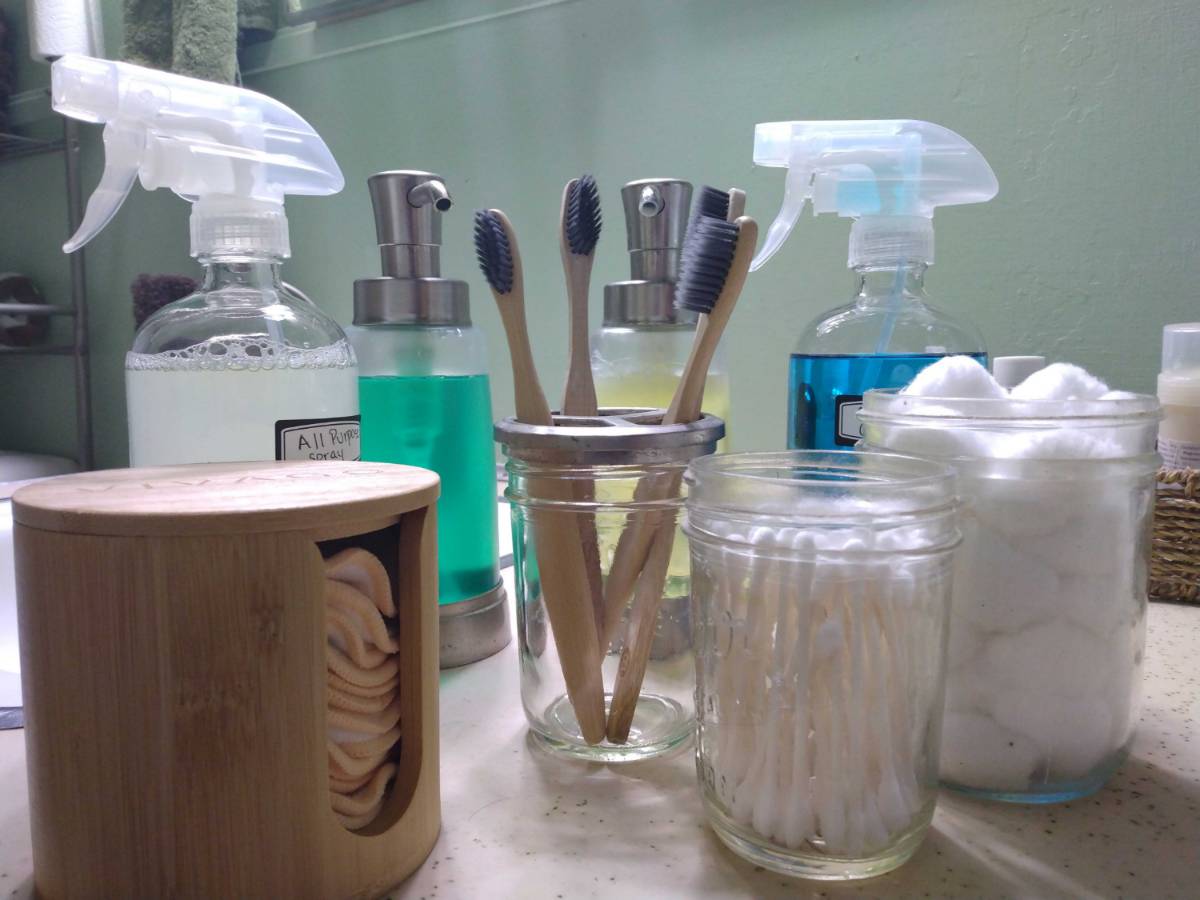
{"points": [[519, 823]]}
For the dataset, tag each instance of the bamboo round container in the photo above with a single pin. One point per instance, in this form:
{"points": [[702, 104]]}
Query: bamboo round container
{"points": [[174, 656]]}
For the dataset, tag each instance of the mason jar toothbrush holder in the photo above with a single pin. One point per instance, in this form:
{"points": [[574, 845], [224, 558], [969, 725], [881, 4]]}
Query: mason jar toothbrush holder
{"points": [[821, 593], [1048, 620], [612, 454]]}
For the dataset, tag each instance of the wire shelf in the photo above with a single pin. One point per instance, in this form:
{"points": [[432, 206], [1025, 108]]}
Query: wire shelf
{"points": [[15, 146]]}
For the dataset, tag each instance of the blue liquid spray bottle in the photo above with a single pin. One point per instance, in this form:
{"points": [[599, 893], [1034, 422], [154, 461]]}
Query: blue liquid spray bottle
{"points": [[889, 176]]}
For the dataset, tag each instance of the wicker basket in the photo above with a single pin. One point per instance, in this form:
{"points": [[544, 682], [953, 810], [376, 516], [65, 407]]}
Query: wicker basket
{"points": [[1175, 557]]}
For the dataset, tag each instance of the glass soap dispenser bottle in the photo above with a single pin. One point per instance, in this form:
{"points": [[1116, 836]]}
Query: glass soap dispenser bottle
{"points": [[425, 400], [640, 351]]}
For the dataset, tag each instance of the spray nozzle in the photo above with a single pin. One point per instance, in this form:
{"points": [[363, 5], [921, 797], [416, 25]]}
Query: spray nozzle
{"points": [[889, 175], [234, 153]]}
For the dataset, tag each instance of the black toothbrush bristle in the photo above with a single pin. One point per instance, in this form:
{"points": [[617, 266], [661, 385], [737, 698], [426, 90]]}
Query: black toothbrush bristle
{"points": [[704, 263], [493, 251], [582, 222], [711, 202]]}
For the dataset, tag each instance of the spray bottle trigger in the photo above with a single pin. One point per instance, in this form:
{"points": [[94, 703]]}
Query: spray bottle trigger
{"points": [[796, 190], [122, 158]]}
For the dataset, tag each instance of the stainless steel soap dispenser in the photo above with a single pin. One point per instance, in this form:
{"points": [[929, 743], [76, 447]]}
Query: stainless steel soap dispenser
{"points": [[425, 400], [640, 351]]}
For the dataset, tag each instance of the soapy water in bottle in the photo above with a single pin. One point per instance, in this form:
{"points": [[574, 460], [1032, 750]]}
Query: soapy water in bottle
{"points": [[221, 401]]}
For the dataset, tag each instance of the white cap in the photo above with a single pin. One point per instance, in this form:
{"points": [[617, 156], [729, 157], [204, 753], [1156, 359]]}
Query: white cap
{"points": [[1179, 381], [236, 225], [1009, 371], [890, 241]]}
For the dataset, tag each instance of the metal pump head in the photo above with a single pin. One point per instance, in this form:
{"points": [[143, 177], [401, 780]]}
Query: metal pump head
{"points": [[408, 208], [656, 217]]}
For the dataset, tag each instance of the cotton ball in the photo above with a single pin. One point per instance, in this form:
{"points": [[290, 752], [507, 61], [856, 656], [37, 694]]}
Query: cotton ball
{"points": [[966, 640], [1055, 656], [1019, 509], [976, 750], [1103, 605], [1073, 734], [955, 376], [1060, 381], [1119, 395], [937, 442], [1059, 443], [1001, 586], [1098, 537]]}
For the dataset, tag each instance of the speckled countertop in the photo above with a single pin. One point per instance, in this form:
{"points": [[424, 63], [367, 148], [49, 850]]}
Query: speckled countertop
{"points": [[519, 823]]}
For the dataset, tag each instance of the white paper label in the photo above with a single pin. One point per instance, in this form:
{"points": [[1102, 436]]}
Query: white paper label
{"points": [[1179, 454], [849, 430], [317, 438]]}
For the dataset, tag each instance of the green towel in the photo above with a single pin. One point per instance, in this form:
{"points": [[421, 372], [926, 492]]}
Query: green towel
{"points": [[198, 38]]}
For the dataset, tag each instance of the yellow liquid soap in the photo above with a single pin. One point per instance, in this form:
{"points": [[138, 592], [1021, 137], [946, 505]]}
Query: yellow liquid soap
{"points": [[655, 390]]}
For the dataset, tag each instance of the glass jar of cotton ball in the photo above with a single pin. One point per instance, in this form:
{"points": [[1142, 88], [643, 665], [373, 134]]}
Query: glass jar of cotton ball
{"points": [[1056, 481], [820, 591]]}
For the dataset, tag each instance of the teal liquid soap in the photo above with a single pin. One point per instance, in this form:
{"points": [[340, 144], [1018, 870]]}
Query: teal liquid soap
{"points": [[825, 393], [443, 423]]}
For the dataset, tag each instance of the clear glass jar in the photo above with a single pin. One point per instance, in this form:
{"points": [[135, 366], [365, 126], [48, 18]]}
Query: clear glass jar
{"points": [[612, 460], [1049, 613], [821, 592]]}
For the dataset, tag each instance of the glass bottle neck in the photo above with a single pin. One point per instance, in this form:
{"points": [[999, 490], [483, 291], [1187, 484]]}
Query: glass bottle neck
{"points": [[877, 285], [241, 272]]}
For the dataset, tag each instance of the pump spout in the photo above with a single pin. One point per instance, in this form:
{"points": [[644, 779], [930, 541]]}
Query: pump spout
{"points": [[432, 191]]}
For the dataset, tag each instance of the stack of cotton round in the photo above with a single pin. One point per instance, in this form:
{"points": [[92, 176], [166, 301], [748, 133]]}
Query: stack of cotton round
{"points": [[1048, 616]]}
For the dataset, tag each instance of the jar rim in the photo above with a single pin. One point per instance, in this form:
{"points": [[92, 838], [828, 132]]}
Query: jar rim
{"points": [[826, 486], [891, 405]]}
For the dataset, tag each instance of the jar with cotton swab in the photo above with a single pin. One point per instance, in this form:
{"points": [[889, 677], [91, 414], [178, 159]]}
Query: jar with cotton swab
{"points": [[821, 592]]}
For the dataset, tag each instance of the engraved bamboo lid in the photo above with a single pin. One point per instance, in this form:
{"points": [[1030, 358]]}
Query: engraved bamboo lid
{"points": [[223, 498]]}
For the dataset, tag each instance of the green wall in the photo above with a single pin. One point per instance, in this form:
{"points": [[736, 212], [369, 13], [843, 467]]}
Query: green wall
{"points": [[1087, 112]]}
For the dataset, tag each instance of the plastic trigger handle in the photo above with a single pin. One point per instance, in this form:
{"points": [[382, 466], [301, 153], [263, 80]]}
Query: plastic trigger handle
{"points": [[122, 157], [795, 192]]}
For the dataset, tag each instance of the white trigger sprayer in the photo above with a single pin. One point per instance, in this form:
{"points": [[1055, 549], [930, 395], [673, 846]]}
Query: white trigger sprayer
{"points": [[233, 153], [887, 174]]}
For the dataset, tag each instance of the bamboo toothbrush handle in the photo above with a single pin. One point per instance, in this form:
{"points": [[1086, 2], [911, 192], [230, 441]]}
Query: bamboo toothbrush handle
{"points": [[634, 543], [636, 652], [579, 399], [737, 204], [555, 535], [685, 406], [658, 536]]}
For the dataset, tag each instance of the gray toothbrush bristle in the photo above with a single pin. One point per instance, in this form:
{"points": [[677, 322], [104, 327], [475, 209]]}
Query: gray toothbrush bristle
{"points": [[582, 222], [704, 263], [711, 202], [493, 251]]}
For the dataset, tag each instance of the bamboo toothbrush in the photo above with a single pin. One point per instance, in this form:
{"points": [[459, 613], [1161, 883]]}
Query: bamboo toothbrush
{"points": [[555, 534], [714, 264], [634, 543], [579, 232]]}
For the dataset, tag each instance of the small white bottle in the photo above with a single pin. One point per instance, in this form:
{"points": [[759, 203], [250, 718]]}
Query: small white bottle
{"points": [[1179, 394]]}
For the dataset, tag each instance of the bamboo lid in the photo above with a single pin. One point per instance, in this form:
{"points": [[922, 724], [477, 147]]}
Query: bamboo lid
{"points": [[223, 498]]}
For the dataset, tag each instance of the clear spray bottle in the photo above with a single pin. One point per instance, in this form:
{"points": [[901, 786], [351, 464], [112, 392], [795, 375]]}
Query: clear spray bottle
{"points": [[243, 369], [889, 176]]}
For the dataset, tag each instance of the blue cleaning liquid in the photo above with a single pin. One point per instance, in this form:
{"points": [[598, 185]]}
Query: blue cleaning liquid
{"points": [[825, 393]]}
